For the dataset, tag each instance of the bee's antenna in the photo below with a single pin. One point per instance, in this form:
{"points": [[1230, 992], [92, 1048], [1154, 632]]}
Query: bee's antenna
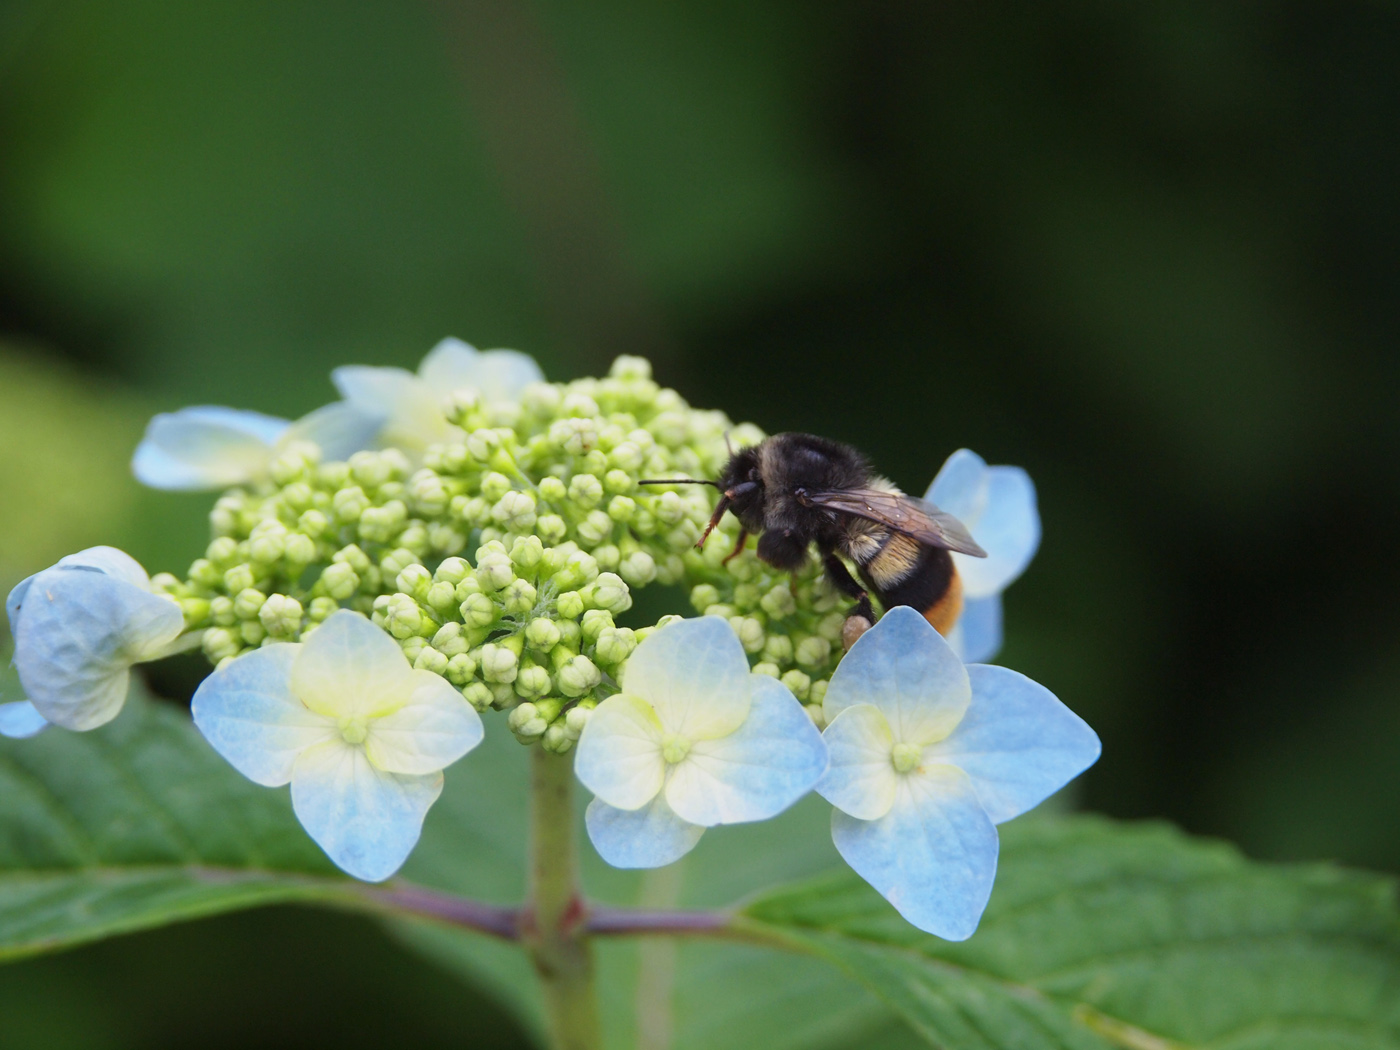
{"points": [[727, 445], [678, 481]]}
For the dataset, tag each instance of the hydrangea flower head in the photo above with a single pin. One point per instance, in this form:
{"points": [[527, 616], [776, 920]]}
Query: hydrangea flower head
{"points": [[411, 408], [344, 718], [693, 740], [79, 626], [997, 504], [927, 756]]}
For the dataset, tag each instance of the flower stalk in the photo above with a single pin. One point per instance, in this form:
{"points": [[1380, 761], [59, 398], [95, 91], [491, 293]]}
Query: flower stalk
{"points": [[553, 922]]}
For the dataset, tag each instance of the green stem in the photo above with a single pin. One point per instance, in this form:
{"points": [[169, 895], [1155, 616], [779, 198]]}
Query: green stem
{"points": [[554, 920]]}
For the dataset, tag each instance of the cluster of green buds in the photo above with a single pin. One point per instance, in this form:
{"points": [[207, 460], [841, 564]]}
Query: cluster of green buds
{"points": [[505, 559]]}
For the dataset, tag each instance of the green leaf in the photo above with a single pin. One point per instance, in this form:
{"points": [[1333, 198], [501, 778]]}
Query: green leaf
{"points": [[136, 825], [1110, 935]]}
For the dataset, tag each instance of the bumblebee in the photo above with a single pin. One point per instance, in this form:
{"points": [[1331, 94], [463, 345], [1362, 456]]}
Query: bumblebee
{"points": [[796, 490]]}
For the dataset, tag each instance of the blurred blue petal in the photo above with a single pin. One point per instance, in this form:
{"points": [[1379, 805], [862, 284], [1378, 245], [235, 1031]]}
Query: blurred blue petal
{"points": [[206, 447], [1018, 743], [247, 712], [695, 675], [861, 779], [15, 599], [78, 632], [976, 637], [933, 855], [19, 720], [756, 772], [430, 732], [410, 409], [998, 506], [903, 667], [366, 820], [339, 429], [649, 837]]}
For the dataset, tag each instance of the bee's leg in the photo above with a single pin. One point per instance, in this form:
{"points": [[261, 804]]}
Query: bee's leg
{"points": [[844, 582], [738, 547]]}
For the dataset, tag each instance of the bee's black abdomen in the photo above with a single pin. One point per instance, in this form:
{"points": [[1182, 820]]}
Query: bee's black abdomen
{"points": [[932, 586]]}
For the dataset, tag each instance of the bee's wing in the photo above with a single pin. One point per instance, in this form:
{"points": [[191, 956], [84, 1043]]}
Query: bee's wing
{"points": [[918, 519]]}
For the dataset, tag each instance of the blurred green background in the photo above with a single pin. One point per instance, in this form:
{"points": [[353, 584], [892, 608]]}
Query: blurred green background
{"points": [[1149, 251]]}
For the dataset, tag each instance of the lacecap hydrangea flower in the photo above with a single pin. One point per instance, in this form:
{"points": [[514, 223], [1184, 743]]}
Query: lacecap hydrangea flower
{"points": [[693, 740], [997, 505], [79, 626], [212, 447], [927, 757], [344, 718]]}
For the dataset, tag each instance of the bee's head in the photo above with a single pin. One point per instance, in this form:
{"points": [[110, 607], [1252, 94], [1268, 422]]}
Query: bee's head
{"points": [[741, 483]]}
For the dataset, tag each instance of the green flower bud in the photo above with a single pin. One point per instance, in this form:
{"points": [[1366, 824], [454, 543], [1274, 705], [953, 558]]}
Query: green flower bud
{"points": [[222, 551], [526, 553], [551, 528], [494, 570], [779, 602], [746, 597], [556, 740], [816, 693], [442, 598], [621, 508], [396, 561], [518, 598], [238, 579], [608, 557], [281, 615], [619, 481], [609, 592], [524, 721], [721, 610], [831, 626], [498, 664], [474, 512], [569, 605], [750, 632], [638, 569], [577, 717], [339, 580], [415, 580], [578, 403], [670, 570], [816, 714], [494, 485], [221, 611], [798, 683], [813, 652], [252, 632], [570, 639], [450, 640], [220, 643], [413, 647], [578, 676], [370, 469], [478, 694], [615, 644], [320, 608], [427, 493], [626, 457], [350, 503], [352, 556], [403, 616], [247, 603], [595, 528], [483, 443], [479, 611], [552, 489], [515, 512], [195, 610], [299, 549], [461, 669], [670, 508], [778, 648], [542, 634], [704, 596], [585, 490], [532, 682], [313, 523], [452, 570], [468, 587], [594, 623], [429, 659], [766, 668]]}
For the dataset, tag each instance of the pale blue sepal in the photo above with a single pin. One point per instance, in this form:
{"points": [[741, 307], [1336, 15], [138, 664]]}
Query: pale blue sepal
{"points": [[497, 375], [1018, 743], [649, 837], [976, 637], [78, 633], [860, 779], [998, 506], [15, 599], [933, 855], [695, 676], [247, 712], [903, 667], [339, 430], [19, 720], [206, 447], [109, 560], [756, 772], [432, 730], [366, 820]]}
